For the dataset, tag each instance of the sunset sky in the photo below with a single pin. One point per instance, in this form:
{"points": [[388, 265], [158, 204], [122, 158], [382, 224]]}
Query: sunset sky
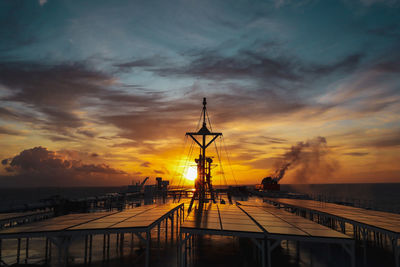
{"points": [[102, 92]]}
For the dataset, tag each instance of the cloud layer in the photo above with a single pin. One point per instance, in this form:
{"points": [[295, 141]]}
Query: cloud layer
{"points": [[121, 84], [40, 166]]}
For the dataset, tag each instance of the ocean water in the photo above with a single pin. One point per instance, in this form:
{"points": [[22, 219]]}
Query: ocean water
{"points": [[384, 196], [17, 197]]}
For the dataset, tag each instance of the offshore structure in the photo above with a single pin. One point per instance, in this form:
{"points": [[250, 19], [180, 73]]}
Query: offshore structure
{"points": [[204, 191]]}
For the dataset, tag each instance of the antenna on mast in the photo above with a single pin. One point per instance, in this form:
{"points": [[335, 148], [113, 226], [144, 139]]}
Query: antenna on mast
{"points": [[204, 111]]}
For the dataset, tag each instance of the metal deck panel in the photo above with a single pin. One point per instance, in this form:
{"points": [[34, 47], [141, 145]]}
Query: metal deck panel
{"points": [[241, 228], [43, 226], [143, 217], [221, 219], [91, 225], [289, 224], [98, 220], [127, 224], [378, 219]]}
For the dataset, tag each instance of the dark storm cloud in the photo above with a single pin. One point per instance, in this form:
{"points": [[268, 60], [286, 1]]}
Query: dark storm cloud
{"points": [[157, 120], [145, 63], [173, 118], [40, 159], [346, 64], [45, 85], [51, 168], [261, 104], [60, 118], [372, 89], [5, 113], [140, 126], [53, 90], [245, 64], [256, 64], [13, 115], [59, 92]]}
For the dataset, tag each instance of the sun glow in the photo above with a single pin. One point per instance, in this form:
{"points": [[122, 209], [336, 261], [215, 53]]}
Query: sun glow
{"points": [[191, 173]]}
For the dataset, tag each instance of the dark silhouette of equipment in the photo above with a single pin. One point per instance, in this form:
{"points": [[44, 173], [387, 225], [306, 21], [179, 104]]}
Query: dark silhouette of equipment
{"points": [[144, 181], [137, 188], [203, 184], [161, 185], [270, 184]]}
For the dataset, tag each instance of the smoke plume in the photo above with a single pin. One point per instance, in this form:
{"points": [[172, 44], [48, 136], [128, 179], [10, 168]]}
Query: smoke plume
{"points": [[306, 160]]}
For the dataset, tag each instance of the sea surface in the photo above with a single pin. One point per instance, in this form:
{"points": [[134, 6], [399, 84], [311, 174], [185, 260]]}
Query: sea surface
{"points": [[18, 197], [383, 196]]}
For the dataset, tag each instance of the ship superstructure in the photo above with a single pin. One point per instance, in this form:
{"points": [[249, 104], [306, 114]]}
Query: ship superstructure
{"points": [[204, 191]]}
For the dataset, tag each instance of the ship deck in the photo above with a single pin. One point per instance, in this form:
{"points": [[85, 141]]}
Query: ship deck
{"points": [[63, 229], [266, 227], [367, 225]]}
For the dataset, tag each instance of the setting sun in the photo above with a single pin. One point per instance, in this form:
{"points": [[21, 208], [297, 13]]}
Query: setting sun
{"points": [[191, 173]]}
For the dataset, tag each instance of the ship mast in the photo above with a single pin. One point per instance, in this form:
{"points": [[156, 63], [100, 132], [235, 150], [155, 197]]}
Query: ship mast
{"points": [[203, 183]]}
